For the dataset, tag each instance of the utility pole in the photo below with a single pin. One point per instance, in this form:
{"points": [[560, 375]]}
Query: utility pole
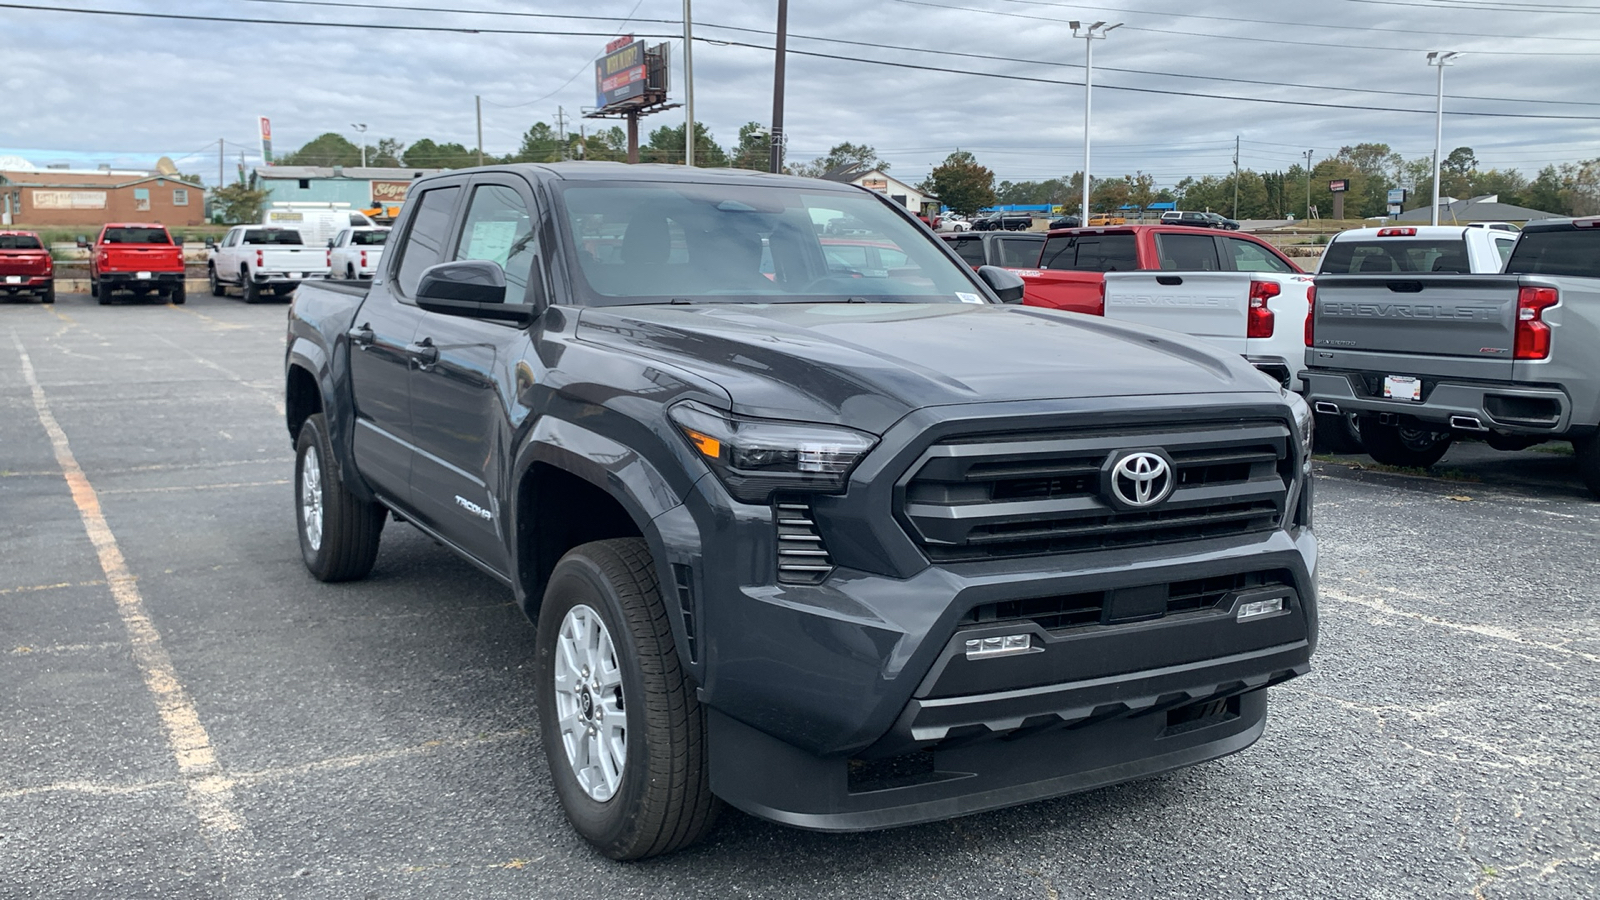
{"points": [[221, 153], [1236, 177], [561, 131], [776, 164], [477, 99], [1307, 155], [688, 86], [1090, 34], [1439, 59]]}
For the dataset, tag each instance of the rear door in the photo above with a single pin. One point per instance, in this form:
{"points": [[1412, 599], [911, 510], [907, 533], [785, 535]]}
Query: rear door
{"points": [[1208, 305]]}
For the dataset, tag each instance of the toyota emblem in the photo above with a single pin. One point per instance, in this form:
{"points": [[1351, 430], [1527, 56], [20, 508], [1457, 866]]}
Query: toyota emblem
{"points": [[1141, 479]]}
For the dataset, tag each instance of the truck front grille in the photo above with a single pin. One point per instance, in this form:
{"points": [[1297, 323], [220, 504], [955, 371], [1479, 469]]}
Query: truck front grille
{"points": [[1099, 607], [802, 559], [1010, 495]]}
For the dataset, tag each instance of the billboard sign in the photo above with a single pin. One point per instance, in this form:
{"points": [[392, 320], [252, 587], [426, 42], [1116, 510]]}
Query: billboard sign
{"points": [[69, 199], [1339, 185], [266, 140], [1396, 196], [389, 192], [620, 75]]}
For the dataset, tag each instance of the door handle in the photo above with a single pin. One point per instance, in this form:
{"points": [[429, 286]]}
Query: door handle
{"points": [[424, 352], [361, 336], [1169, 280]]}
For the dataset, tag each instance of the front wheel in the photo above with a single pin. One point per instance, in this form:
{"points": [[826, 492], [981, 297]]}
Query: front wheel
{"points": [[1403, 446], [217, 290], [339, 531], [623, 734]]}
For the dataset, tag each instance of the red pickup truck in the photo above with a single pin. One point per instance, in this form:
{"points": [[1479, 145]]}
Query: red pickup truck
{"points": [[138, 258], [26, 267], [1072, 266]]}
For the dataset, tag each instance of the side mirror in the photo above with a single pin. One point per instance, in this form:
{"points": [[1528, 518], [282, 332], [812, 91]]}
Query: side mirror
{"points": [[330, 243], [1007, 285], [211, 244], [178, 239], [83, 242], [472, 288]]}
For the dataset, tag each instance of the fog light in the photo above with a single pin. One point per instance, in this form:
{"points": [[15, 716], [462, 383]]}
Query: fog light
{"points": [[1251, 610], [1005, 645]]}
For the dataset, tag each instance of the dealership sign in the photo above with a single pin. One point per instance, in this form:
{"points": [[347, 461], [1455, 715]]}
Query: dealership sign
{"points": [[621, 74], [1339, 185], [389, 192], [266, 140]]}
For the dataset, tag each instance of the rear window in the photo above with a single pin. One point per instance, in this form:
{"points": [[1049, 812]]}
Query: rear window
{"points": [[369, 238], [1091, 253], [273, 236], [19, 242], [1385, 255], [136, 236], [1557, 253]]}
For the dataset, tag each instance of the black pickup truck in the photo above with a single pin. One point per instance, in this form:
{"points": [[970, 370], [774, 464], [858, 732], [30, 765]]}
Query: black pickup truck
{"points": [[846, 549]]}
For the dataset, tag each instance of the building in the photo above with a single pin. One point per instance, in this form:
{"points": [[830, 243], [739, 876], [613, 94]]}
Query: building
{"points": [[361, 187], [1486, 208], [880, 181], [66, 199]]}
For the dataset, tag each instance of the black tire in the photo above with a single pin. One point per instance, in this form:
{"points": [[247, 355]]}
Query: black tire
{"points": [[350, 272], [94, 288], [1339, 433], [179, 295], [49, 293], [1586, 452], [1393, 445], [662, 801], [217, 288], [348, 529], [100, 293], [249, 288]]}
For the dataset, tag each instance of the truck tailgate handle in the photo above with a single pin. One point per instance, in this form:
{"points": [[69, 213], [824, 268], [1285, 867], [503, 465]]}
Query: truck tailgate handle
{"points": [[424, 352], [361, 336], [1406, 287], [1169, 280]]}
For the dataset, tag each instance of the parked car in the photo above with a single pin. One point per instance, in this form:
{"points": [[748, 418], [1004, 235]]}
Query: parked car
{"points": [[26, 268], [1187, 217], [355, 252], [951, 222], [262, 260], [139, 259], [1004, 221], [1100, 220], [1007, 249], [1424, 356], [1258, 312], [1220, 221], [844, 552], [1065, 222], [317, 223]]}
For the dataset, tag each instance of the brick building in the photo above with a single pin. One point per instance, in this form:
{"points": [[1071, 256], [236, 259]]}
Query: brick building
{"points": [[56, 198]]}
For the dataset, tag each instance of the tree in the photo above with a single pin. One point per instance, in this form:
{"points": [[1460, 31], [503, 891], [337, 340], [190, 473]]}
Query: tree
{"points": [[237, 203], [961, 184], [1456, 171], [846, 155], [539, 144], [608, 145], [1544, 192], [666, 146], [331, 149], [387, 153], [425, 154], [754, 150]]}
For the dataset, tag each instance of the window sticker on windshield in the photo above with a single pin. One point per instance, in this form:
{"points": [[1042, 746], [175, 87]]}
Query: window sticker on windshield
{"points": [[969, 298], [491, 241]]}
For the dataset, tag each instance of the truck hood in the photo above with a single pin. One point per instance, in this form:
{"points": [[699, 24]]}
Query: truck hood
{"points": [[867, 365]]}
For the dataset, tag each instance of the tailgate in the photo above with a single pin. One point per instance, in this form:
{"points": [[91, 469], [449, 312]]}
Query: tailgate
{"points": [[24, 262], [152, 258], [1209, 305], [294, 259], [1466, 316]]}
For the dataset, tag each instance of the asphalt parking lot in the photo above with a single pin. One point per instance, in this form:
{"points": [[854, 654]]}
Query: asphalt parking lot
{"points": [[185, 712]]}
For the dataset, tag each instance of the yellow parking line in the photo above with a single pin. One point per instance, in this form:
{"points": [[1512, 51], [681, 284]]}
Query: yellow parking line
{"points": [[195, 487], [50, 587], [210, 791]]}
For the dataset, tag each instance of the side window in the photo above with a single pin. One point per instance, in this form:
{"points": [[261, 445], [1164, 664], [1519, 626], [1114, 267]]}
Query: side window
{"points": [[1187, 252], [424, 244], [1251, 257], [233, 238], [1018, 254], [971, 250], [500, 229], [1504, 248]]}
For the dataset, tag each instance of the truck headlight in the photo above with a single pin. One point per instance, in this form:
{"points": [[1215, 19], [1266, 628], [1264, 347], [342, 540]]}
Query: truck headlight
{"points": [[756, 457]]}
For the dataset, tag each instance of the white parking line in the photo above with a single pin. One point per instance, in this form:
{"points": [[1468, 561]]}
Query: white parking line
{"points": [[210, 791]]}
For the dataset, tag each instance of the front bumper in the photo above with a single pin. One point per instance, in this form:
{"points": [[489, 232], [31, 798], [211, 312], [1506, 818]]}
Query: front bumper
{"points": [[1461, 404]]}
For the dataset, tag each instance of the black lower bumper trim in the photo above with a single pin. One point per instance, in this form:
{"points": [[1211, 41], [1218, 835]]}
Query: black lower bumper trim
{"points": [[773, 780]]}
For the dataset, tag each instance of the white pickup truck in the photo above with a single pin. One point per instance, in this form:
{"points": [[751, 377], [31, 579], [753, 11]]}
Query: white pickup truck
{"points": [[261, 260], [354, 252], [1258, 315]]}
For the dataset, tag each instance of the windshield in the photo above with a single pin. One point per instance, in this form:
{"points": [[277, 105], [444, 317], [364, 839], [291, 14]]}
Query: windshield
{"points": [[19, 242], [368, 238], [1385, 255], [658, 243], [273, 236], [136, 236]]}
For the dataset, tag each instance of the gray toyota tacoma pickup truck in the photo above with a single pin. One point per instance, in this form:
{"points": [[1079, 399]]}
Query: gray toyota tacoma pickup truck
{"points": [[845, 549], [1422, 357]]}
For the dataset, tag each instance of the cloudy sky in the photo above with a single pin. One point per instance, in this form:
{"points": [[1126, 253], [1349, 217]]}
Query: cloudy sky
{"points": [[1174, 85]]}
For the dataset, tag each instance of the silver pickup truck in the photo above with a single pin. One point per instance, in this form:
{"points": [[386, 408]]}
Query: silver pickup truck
{"points": [[1423, 357]]}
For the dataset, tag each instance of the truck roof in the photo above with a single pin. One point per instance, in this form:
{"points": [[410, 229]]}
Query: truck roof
{"points": [[135, 225], [1418, 231], [1133, 229], [616, 171]]}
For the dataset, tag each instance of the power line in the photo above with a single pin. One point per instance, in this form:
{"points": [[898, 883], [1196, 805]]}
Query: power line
{"points": [[1502, 6]]}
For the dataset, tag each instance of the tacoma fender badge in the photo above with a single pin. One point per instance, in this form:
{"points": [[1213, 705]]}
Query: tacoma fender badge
{"points": [[473, 508]]}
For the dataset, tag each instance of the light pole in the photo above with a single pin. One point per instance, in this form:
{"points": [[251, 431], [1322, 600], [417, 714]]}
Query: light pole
{"points": [[1307, 155], [688, 86], [361, 129], [1439, 59], [775, 163], [1090, 34]]}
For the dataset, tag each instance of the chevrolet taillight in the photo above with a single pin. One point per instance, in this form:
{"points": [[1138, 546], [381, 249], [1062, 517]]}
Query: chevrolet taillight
{"points": [[363, 259], [327, 258], [1311, 315], [1260, 323], [261, 258], [1533, 333], [1100, 308]]}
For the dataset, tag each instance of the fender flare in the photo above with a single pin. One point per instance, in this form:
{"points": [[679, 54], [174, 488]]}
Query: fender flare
{"points": [[339, 415]]}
